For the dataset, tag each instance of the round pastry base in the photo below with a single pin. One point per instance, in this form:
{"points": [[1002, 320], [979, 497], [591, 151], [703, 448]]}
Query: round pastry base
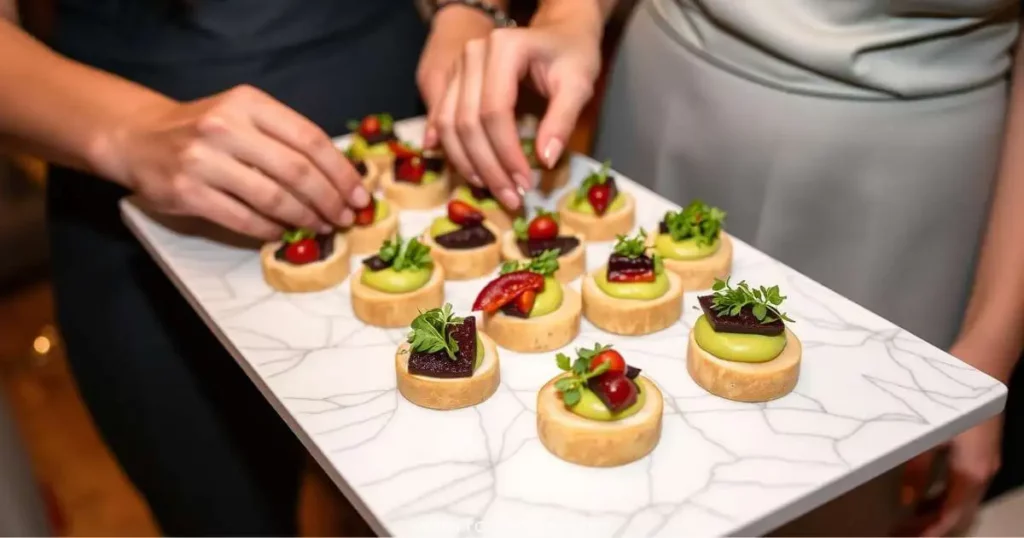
{"points": [[316, 276], [466, 264], [534, 335], [746, 381], [380, 163], [603, 228], [372, 175], [412, 196], [368, 239], [570, 266], [555, 178], [382, 309], [597, 443], [701, 274], [632, 317], [445, 394]]}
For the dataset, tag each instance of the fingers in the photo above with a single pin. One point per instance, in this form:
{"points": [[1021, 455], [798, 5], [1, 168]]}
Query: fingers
{"points": [[567, 96], [916, 477], [230, 213], [305, 137], [433, 86], [445, 123], [470, 130], [221, 171], [288, 167], [963, 496], [508, 56]]}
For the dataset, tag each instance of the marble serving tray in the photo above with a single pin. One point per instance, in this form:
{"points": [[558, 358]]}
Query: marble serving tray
{"points": [[870, 396]]}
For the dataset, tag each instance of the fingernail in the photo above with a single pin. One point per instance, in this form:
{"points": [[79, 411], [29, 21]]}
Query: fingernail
{"points": [[430, 137], [475, 180], [347, 217], [522, 181], [360, 197], [552, 152], [509, 197], [326, 229]]}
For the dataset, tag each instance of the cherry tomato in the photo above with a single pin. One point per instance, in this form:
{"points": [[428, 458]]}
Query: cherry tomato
{"points": [[303, 251], [543, 227], [616, 364]]}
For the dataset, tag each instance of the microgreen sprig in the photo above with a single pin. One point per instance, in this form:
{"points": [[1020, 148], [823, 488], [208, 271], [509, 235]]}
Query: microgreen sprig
{"points": [[636, 246], [697, 220], [545, 264], [430, 331], [572, 386], [404, 255], [764, 302], [598, 177], [296, 235]]}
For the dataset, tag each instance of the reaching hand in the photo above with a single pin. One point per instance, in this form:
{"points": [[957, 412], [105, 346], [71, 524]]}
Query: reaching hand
{"points": [[475, 119], [240, 159], [974, 458]]}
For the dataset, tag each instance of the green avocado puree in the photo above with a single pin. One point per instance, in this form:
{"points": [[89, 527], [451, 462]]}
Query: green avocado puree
{"points": [[641, 291], [583, 206], [590, 406], [429, 177], [381, 210], [479, 353], [737, 347], [441, 226], [548, 300], [360, 149], [390, 281], [463, 193], [687, 249]]}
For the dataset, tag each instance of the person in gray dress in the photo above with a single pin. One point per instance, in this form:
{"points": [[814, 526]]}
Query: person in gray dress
{"points": [[858, 142]]}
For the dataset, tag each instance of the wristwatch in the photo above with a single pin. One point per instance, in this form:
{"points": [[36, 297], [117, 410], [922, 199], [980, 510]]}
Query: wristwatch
{"points": [[496, 14]]}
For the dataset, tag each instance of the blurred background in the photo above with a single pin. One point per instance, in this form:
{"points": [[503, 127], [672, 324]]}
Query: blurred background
{"points": [[62, 472]]}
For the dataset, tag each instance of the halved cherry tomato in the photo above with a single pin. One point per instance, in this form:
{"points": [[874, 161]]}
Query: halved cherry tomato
{"points": [[525, 301], [616, 364], [364, 216], [402, 151], [599, 197], [543, 227], [370, 125], [464, 214], [303, 251]]}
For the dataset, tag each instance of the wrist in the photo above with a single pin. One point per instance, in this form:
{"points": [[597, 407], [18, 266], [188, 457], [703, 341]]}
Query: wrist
{"points": [[461, 18], [107, 153], [579, 19]]}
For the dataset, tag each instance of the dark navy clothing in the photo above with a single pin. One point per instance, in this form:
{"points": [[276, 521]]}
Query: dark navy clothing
{"points": [[189, 428]]}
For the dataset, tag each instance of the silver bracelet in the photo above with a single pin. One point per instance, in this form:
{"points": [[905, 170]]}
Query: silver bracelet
{"points": [[500, 18]]}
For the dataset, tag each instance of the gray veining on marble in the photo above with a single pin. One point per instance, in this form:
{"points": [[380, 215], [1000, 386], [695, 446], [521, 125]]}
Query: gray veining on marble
{"points": [[870, 396]]}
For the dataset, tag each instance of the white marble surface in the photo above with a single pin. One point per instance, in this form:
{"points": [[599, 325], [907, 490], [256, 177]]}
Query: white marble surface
{"points": [[870, 396]]}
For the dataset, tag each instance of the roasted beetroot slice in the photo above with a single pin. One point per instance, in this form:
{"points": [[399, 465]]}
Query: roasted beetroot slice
{"points": [[376, 263], [742, 323], [379, 137], [439, 365], [564, 244], [480, 193], [632, 371], [504, 289], [434, 164], [466, 238], [625, 269]]}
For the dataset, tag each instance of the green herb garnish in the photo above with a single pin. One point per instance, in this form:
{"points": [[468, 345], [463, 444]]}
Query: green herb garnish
{"points": [[545, 264], [521, 226], [698, 221], [763, 302], [598, 177], [294, 236], [430, 332], [572, 387], [404, 255]]}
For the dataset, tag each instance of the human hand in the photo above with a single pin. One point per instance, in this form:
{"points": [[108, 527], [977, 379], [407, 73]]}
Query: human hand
{"points": [[475, 120], [452, 28], [240, 159], [973, 459]]}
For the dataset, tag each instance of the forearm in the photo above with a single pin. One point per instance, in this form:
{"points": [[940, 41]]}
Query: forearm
{"points": [[61, 110], [995, 313]]}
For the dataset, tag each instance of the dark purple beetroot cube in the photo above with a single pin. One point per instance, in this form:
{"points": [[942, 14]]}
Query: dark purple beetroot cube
{"points": [[632, 371], [438, 364], [376, 263], [466, 238], [626, 269], [743, 323], [564, 244]]}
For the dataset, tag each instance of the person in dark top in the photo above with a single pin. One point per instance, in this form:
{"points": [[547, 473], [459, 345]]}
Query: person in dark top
{"points": [[220, 109]]}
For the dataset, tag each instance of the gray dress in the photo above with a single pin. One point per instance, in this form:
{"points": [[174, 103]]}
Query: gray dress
{"points": [[855, 141]]}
